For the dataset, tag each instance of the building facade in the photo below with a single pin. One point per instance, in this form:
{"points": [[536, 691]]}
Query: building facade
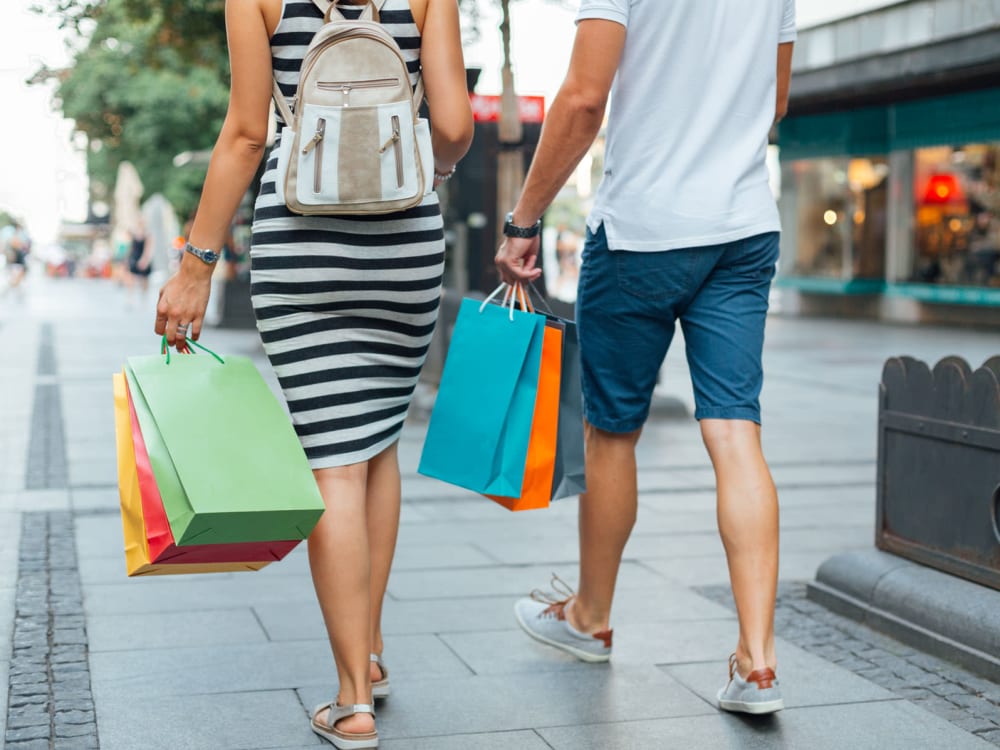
{"points": [[890, 165]]}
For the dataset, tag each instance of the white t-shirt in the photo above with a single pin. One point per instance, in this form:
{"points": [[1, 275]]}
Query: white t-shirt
{"points": [[691, 108]]}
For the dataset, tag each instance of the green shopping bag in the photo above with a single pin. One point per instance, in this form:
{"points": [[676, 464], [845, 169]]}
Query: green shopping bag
{"points": [[226, 458]]}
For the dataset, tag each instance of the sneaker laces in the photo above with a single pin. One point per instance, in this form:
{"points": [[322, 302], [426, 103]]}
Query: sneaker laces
{"points": [[556, 604]]}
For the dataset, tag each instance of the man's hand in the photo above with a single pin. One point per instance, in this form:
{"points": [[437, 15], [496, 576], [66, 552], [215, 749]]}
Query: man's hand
{"points": [[516, 259], [183, 301]]}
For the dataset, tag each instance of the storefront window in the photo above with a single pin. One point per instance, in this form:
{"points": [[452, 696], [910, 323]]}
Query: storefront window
{"points": [[957, 215], [841, 217]]}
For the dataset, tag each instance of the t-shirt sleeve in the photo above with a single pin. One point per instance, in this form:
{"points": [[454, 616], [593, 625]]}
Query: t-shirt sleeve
{"points": [[787, 33], [608, 10]]}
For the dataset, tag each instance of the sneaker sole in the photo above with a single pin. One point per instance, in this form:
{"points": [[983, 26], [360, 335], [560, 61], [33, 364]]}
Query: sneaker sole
{"points": [[763, 707], [579, 653]]}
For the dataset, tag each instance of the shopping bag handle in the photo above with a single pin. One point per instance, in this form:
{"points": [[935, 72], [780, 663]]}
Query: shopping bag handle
{"points": [[512, 295], [541, 298], [186, 349]]}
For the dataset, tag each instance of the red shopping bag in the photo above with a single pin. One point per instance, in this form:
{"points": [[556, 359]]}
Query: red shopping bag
{"points": [[162, 549]]}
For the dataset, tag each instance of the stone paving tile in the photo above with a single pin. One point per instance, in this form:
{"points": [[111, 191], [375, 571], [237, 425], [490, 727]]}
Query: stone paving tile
{"points": [[494, 741], [192, 593], [673, 642], [173, 630], [496, 703], [303, 621], [7, 610], [99, 535], [263, 666], [712, 570], [4, 669], [496, 580], [898, 723], [220, 721], [457, 554], [498, 652], [99, 499], [35, 500]]}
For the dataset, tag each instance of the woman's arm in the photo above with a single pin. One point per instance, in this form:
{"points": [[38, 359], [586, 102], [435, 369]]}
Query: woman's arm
{"points": [[444, 79], [234, 162]]}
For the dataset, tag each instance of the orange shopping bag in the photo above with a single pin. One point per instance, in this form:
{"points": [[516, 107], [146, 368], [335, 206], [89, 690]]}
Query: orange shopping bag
{"points": [[536, 490]]}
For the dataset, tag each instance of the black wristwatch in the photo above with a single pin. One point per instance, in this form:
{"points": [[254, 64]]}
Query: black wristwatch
{"points": [[510, 229], [205, 256]]}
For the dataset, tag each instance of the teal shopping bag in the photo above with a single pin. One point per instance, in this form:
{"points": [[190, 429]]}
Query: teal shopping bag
{"points": [[226, 458], [481, 422]]}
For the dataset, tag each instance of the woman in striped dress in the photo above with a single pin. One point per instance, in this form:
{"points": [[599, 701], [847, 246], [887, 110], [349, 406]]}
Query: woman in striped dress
{"points": [[345, 306]]}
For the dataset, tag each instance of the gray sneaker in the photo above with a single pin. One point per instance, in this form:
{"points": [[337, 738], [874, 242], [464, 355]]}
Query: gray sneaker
{"points": [[759, 693], [544, 619]]}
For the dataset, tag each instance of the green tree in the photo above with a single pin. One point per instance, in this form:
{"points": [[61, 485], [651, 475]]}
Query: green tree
{"points": [[150, 82]]}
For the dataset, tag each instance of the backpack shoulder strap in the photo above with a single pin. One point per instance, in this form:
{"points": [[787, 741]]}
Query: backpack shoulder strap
{"points": [[281, 103]]}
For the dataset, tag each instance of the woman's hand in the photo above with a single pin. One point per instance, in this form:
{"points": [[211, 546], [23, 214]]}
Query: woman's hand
{"points": [[183, 301]]}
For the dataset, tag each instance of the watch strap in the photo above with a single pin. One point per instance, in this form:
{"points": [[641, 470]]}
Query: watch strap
{"points": [[205, 256], [510, 229]]}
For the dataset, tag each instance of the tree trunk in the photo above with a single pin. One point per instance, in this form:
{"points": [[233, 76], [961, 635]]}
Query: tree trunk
{"points": [[510, 162]]}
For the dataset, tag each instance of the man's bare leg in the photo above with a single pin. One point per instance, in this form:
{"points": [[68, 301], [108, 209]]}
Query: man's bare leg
{"points": [[748, 523], [607, 515]]}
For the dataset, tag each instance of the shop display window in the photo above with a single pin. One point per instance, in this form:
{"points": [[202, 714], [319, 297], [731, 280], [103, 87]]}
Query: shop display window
{"points": [[841, 217], [957, 215]]}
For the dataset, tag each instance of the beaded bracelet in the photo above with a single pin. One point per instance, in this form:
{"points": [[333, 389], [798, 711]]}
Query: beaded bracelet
{"points": [[444, 176]]}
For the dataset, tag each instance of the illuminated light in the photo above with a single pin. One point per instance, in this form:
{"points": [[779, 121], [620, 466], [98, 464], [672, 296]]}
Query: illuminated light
{"points": [[943, 188], [830, 217], [859, 217], [955, 225]]}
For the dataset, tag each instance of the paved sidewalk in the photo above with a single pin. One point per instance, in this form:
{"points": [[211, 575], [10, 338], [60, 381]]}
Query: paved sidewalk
{"points": [[232, 661]]}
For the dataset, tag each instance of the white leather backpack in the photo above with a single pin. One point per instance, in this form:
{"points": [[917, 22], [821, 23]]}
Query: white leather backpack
{"points": [[355, 143]]}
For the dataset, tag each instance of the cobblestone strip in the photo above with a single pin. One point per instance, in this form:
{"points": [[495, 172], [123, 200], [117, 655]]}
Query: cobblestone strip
{"points": [[46, 468], [944, 689], [50, 705]]}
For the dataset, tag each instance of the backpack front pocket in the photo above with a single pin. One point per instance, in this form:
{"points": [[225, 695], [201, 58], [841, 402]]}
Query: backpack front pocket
{"points": [[357, 155]]}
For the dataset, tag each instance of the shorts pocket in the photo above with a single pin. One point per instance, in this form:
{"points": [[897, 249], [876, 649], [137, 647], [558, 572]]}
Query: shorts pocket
{"points": [[655, 275]]}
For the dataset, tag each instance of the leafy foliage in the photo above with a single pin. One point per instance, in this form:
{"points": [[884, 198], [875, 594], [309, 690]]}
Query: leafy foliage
{"points": [[149, 83]]}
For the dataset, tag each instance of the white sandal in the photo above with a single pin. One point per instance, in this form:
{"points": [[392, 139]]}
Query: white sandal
{"points": [[340, 739], [380, 688]]}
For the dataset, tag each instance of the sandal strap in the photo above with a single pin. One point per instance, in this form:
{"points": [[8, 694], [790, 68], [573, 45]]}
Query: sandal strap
{"points": [[338, 712], [383, 670]]}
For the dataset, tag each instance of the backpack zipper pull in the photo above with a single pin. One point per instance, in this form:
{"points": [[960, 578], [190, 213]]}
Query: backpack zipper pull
{"points": [[392, 138], [320, 133]]}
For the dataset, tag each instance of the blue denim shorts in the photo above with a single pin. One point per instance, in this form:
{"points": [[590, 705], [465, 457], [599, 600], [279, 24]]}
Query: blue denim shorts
{"points": [[628, 304]]}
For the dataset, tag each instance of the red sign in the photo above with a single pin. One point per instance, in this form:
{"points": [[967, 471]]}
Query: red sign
{"points": [[486, 108]]}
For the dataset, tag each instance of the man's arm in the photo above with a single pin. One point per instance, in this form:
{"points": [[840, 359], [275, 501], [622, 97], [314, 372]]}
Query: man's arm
{"points": [[784, 79], [572, 124]]}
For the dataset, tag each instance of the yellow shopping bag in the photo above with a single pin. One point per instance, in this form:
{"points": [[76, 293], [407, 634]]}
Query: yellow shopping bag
{"points": [[136, 547]]}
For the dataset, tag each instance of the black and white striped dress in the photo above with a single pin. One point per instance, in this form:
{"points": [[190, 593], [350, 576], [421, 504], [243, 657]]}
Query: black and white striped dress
{"points": [[345, 306]]}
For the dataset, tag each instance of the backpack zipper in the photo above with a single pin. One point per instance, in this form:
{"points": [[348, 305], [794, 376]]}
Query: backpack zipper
{"points": [[345, 87], [316, 142], [396, 141]]}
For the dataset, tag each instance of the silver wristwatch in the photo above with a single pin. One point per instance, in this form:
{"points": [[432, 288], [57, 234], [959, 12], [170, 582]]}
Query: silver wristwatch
{"points": [[205, 256]]}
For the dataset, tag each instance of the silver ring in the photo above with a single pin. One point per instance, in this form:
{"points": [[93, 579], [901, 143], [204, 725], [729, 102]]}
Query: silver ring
{"points": [[182, 329]]}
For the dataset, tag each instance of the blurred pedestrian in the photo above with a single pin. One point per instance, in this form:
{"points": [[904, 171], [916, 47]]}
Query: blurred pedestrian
{"points": [[16, 246], [140, 259], [346, 307], [684, 227]]}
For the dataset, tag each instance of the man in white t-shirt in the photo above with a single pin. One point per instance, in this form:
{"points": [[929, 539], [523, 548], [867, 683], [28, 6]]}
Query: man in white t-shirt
{"points": [[684, 228]]}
